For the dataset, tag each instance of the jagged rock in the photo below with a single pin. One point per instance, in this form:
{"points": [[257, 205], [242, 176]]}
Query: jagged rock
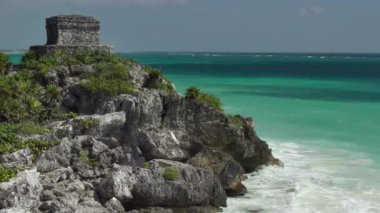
{"points": [[114, 205], [190, 209], [137, 76], [148, 187], [193, 187], [222, 164], [58, 156], [21, 191], [90, 205], [116, 185], [95, 125], [51, 78], [21, 157]]}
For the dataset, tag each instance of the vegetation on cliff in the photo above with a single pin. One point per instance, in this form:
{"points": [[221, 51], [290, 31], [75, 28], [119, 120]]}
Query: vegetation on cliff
{"points": [[111, 79], [11, 141], [113, 118], [204, 98]]}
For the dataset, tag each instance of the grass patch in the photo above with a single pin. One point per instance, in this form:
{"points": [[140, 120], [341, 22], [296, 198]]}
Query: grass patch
{"points": [[147, 165], [88, 123], [204, 98], [111, 79], [237, 120], [68, 115], [37, 147], [44, 64], [7, 173], [171, 173], [84, 156], [10, 143]]}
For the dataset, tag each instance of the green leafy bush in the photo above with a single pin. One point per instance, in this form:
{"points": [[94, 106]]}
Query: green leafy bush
{"points": [[111, 79], [7, 173], [204, 98], [156, 80], [192, 93], [4, 62], [172, 173], [20, 97]]}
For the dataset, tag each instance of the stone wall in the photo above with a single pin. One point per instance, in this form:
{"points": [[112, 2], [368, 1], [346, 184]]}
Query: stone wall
{"points": [[70, 33], [72, 30], [48, 49]]}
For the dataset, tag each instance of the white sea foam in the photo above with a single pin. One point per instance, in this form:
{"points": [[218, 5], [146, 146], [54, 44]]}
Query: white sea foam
{"points": [[313, 180]]}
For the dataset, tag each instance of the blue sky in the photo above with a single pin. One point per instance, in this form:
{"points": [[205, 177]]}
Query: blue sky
{"points": [[206, 25]]}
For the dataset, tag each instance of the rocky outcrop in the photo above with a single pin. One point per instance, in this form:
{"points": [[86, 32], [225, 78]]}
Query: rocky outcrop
{"points": [[145, 187], [148, 151]]}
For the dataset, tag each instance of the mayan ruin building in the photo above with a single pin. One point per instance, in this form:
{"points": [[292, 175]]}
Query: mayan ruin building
{"points": [[70, 33]]}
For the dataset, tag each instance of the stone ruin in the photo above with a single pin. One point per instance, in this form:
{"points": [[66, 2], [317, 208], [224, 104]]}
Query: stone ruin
{"points": [[70, 33]]}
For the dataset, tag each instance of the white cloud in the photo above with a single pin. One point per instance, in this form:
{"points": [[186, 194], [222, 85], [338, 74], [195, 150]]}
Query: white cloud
{"points": [[311, 10]]}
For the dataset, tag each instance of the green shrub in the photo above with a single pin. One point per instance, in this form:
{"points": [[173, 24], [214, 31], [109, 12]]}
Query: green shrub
{"points": [[237, 120], [156, 80], [84, 156], [89, 123], [111, 79], [68, 115], [4, 62], [20, 97], [192, 93], [52, 93], [204, 98], [172, 173], [43, 64], [30, 129], [7, 173], [146, 165]]}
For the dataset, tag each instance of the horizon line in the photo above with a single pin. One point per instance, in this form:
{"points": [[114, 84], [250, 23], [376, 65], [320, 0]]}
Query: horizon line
{"points": [[9, 51]]}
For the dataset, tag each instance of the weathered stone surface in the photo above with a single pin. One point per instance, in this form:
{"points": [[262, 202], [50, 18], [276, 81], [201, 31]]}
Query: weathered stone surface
{"points": [[96, 125], [20, 157], [56, 157], [222, 164], [70, 33], [21, 191], [190, 209], [114, 205], [194, 187], [116, 185], [72, 29]]}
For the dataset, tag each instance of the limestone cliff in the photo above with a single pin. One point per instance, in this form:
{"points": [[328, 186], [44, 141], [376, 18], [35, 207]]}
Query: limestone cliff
{"points": [[152, 150]]}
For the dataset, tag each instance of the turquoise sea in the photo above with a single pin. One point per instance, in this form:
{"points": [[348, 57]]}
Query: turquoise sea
{"points": [[320, 113]]}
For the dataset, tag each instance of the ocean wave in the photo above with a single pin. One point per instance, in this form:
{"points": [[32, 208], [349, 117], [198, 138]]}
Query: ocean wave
{"points": [[313, 180]]}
